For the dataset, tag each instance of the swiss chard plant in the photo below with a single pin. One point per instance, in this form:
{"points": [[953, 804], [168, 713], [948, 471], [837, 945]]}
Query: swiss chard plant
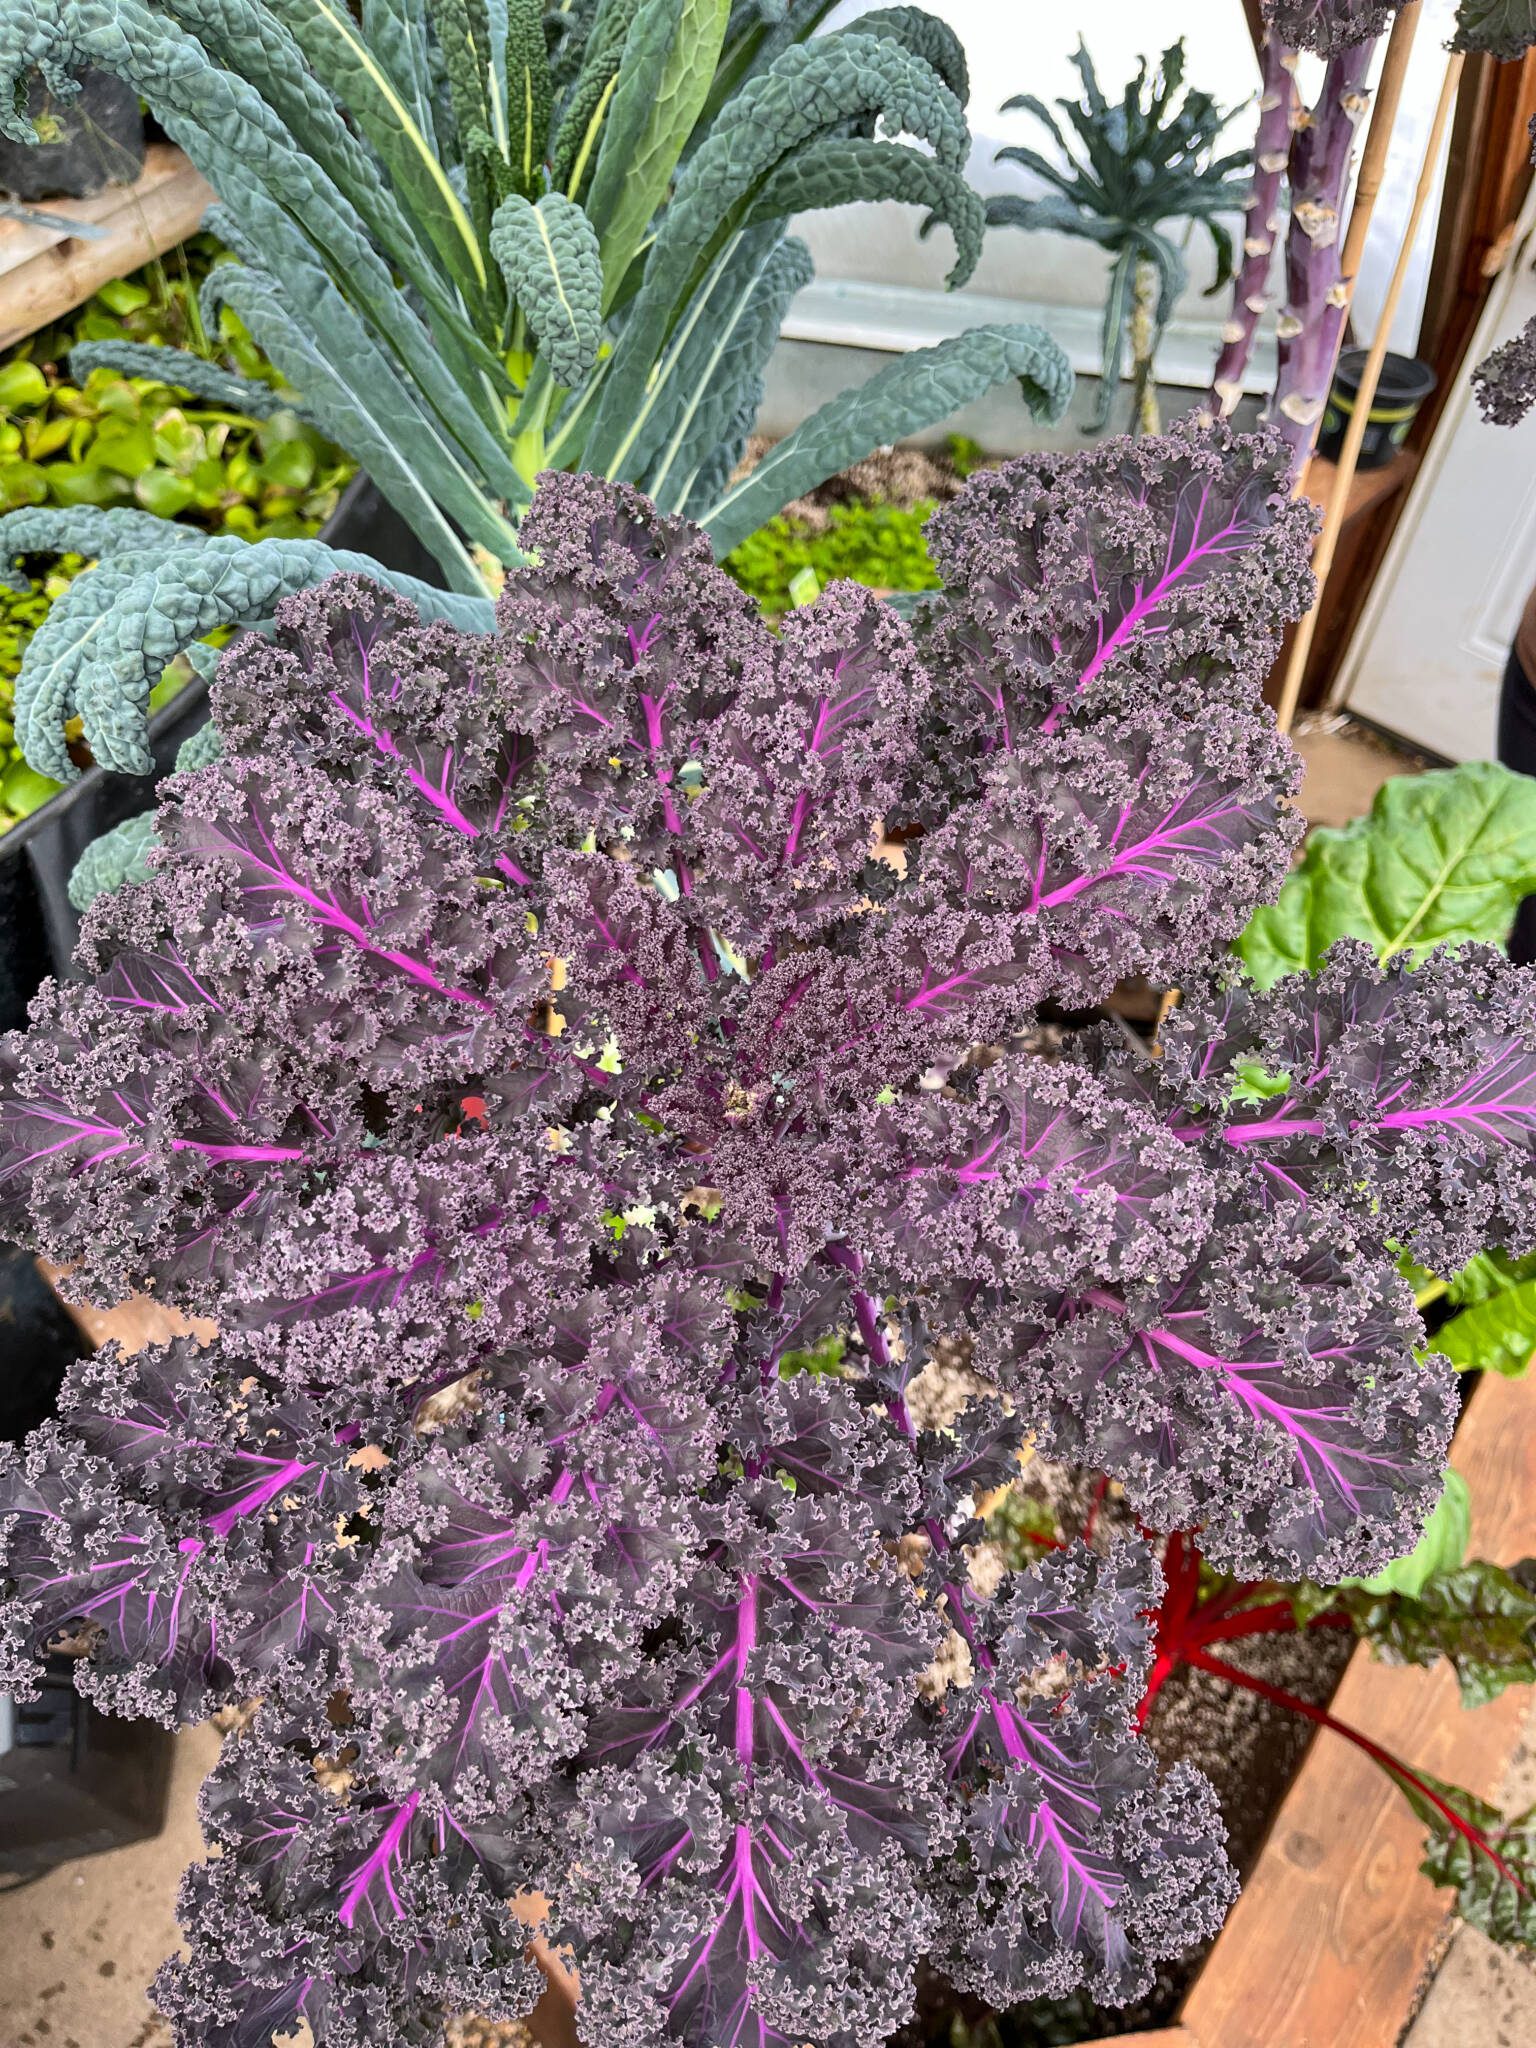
{"points": [[485, 240], [1136, 169], [585, 1071]]}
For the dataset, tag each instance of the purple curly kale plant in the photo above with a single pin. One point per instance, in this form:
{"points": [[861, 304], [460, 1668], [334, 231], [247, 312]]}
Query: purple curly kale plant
{"points": [[585, 1072]]}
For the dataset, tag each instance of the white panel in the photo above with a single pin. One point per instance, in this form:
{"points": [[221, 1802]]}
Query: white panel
{"points": [[1428, 656]]}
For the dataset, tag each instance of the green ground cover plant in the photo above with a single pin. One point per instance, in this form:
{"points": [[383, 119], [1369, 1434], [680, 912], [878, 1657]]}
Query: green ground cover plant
{"points": [[104, 439]]}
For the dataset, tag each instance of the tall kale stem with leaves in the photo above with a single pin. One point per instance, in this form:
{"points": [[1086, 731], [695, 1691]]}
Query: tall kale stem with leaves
{"points": [[586, 1133], [1279, 111], [1133, 165], [1316, 299]]}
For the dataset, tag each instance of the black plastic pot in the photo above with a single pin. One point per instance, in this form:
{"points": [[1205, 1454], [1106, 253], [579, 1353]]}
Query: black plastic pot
{"points": [[38, 856], [75, 1781], [98, 140], [1402, 388]]}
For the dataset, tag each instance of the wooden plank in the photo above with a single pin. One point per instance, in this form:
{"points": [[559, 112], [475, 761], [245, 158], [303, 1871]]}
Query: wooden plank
{"points": [[1367, 487], [1335, 1929], [46, 272], [134, 1323]]}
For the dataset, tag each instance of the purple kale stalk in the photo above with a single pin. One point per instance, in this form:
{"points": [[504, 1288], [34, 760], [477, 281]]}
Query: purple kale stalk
{"points": [[1279, 114], [1311, 321], [588, 1074]]}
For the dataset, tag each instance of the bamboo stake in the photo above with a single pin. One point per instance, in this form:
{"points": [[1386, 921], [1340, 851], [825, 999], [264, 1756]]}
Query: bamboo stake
{"points": [[1370, 376], [1373, 158]]}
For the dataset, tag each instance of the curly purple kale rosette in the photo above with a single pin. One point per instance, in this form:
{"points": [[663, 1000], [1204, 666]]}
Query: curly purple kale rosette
{"points": [[534, 1056]]}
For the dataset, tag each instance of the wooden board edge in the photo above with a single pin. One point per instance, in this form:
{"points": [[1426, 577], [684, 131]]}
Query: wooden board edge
{"points": [[1336, 1927], [141, 221]]}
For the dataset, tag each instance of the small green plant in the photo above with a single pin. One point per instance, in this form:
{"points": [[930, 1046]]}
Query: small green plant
{"points": [[867, 541], [1132, 165], [109, 440]]}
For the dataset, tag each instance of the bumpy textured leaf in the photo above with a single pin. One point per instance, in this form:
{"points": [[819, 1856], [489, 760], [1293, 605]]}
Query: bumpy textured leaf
{"points": [[356, 394], [109, 639], [1494, 1876], [709, 385], [117, 857], [339, 53], [122, 855], [260, 173], [192, 373], [549, 255], [918, 390], [1442, 859], [928, 36], [852, 167], [665, 73], [590, 94], [527, 93], [805, 94], [524, 1051], [249, 41]]}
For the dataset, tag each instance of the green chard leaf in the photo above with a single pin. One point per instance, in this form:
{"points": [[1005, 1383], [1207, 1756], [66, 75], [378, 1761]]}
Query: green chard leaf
{"points": [[1497, 1334], [1441, 1548], [1494, 1875], [1443, 859], [1480, 1617]]}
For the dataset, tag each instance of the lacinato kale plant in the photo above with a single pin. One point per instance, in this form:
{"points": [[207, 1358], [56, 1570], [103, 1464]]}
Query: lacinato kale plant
{"points": [[585, 1072], [484, 240]]}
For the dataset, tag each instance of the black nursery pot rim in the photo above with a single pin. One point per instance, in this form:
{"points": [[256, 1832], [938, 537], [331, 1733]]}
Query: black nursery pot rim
{"points": [[1404, 384]]}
